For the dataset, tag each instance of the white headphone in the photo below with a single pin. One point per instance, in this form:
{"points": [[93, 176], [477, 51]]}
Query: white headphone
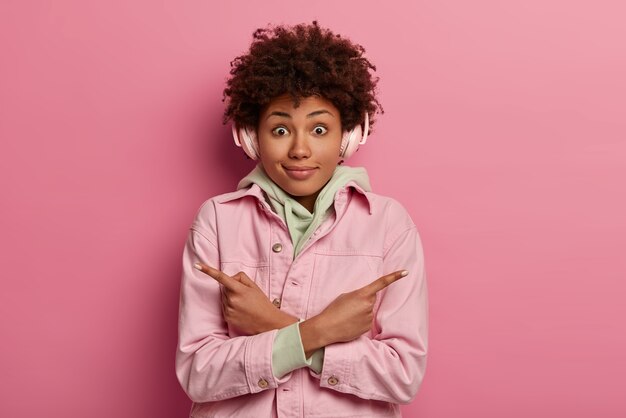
{"points": [[246, 138]]}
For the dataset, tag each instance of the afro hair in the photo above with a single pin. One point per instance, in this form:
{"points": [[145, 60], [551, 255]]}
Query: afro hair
{"points": [[301, 60]]}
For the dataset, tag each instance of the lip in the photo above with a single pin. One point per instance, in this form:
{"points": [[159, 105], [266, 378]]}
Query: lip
{"points": [[299, 172]]}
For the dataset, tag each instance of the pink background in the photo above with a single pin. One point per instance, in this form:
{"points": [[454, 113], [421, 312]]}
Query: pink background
{"points": [[504, 136]]}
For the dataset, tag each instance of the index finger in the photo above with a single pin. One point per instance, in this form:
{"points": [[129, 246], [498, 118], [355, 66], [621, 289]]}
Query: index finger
{"points": [[218, 275], [384, 281]]}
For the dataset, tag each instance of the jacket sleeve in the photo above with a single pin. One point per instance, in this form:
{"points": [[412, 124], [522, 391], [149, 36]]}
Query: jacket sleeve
{"points": [[388, 364], [210, 365]]}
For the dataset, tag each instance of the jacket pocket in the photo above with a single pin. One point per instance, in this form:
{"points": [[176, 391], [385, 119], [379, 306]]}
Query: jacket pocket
{"points": [[335, 273], [258, 273], [232, 267]]}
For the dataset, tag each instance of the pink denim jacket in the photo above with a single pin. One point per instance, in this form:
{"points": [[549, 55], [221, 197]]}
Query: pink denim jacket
{"points": [[368, 235]]}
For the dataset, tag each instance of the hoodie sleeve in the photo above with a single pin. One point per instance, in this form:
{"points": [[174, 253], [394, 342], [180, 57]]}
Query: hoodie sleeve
{"points": [[288, 353]]}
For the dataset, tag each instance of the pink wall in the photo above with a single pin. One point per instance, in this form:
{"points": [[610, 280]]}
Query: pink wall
{"points": [[504, 136]]}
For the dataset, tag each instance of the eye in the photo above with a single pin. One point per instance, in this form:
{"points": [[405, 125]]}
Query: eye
{"points": [[320, 130], [280, 131]]}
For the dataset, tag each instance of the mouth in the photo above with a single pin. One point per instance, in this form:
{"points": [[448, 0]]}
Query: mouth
{"points": [[299, 172]]}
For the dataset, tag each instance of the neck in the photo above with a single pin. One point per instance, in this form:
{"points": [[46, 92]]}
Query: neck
{"points": [[307, 201]]}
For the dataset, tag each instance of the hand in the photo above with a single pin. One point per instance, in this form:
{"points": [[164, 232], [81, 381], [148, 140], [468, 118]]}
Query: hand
{"points": [[245, 306], [347, 317]]}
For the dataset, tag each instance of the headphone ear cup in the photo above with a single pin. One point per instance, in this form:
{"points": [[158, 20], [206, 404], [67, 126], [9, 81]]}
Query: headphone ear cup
{"points": [[247, 139], [350, 141]]}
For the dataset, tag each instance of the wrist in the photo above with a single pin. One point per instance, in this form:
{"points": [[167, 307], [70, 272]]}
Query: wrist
{"points": [[283, 319], [313, 335], [274, 320]]}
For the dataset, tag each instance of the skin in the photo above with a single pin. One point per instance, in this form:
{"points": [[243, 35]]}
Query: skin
{"points": [[306, 136]]}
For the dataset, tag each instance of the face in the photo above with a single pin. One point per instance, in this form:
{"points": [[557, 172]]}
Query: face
{"points": [[299, 147]]}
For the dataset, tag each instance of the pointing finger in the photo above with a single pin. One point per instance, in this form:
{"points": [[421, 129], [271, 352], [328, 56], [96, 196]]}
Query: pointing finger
{"points": [[218, 275], [384, 281]]}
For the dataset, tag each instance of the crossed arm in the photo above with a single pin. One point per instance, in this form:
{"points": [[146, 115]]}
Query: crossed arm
{"points": [[248, 309], [388, 366]]}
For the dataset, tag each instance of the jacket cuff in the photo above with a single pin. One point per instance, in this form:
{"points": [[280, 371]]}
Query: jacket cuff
{"points": [[337, 364], [258, 361]]}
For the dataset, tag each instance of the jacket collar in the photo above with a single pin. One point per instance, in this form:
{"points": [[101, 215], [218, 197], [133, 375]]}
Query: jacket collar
{"points": [[255, 191]]}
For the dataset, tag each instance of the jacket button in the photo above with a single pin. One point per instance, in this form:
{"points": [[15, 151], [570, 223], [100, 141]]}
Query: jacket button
{"points": [[263, 383], [276, 302], [333, 381], [278, 247]]}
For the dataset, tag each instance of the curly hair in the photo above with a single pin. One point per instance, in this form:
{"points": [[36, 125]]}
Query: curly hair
{"points": [[302, 60]]}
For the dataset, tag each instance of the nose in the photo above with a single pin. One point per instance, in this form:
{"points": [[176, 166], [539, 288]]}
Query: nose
{"points": [[299, 147]]}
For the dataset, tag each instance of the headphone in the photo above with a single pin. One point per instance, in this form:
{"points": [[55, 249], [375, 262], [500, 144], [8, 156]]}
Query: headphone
{"points": [[246, 138]]}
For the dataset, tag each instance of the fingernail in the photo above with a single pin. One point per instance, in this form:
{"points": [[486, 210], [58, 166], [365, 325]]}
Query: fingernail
{"points": [[198, 266], [404, 273]]}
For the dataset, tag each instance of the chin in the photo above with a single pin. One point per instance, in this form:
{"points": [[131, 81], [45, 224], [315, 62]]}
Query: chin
{"points": [[299, 192]]}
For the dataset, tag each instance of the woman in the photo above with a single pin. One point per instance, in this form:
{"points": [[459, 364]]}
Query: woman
{"points": [[303, 293]]}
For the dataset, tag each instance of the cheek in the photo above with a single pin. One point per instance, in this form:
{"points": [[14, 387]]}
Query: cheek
{"points": [[268, 150], [332, 154], [327, 150]]}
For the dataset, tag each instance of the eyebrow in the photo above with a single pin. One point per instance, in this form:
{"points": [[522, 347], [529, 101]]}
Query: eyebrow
{"points": [[310, 115]]}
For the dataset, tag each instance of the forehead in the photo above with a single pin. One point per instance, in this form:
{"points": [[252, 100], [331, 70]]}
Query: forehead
{"points": [[285, 103]]}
